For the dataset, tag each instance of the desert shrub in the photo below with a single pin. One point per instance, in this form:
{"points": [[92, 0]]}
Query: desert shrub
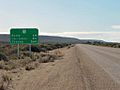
{"points": [[117, 46], [2, 64], [72, 45], [5, 82], [114, 45], [59, 45], [31, 66], [50, 57], [1, 50], [13, 51], [45, 59], [3, 57], [44, 47], [33, 57], [24, 62], [13, 64], [68, 47], [50, 47], [36, 48], [13, 57], [10, 65], [58, 53], [26, 54]]}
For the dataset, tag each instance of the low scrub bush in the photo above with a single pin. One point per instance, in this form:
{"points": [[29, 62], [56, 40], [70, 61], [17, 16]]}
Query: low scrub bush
{"points": [[44, 47], [50, 57], [46, 59], [58, 53], [24, 62], [36, 48], [2, 64], [31, 66], [5, 82], [3, 57], [9, 65], [26, 54]]}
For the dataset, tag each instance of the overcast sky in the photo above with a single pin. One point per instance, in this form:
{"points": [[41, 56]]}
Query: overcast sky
{"points": [[89, 19]]}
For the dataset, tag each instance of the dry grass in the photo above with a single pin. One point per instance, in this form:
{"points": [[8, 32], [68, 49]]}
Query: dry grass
{"points": [[31, 66], [27, 60], [5, 82], [12, 64], [50, 56], [58, 53], [3, 56], [2, 64]]}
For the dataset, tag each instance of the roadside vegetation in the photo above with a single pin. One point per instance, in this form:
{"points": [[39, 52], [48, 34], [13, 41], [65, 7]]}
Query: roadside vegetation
{"points": [[40, 54], [106, 44], [9, 62], [5, 82]]}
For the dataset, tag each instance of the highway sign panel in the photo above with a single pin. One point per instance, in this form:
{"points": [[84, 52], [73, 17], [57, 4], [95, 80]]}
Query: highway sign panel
{"points": [[24, 36]]}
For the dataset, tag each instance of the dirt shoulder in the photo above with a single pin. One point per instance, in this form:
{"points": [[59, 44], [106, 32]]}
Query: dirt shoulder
{"points": [[62, 74]]}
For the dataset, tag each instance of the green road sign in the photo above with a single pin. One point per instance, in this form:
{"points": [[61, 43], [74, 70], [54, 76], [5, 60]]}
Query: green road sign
{"points": [[24, 36]]}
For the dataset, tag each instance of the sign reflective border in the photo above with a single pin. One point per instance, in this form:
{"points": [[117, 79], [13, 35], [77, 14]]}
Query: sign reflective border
{"points": [[24, 36]]}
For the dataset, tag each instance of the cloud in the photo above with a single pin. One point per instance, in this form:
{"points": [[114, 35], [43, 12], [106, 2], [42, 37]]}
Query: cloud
{"points": [[116, 26]]}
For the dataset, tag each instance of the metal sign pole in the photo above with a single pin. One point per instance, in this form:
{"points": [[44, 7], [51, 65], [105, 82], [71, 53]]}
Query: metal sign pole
{"points": [[18, 51], [30, 48]]}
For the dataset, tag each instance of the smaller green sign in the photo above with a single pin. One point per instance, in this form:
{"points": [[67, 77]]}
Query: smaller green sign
{"points": [[24, 36]]}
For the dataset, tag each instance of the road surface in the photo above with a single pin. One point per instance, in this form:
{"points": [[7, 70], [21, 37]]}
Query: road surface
{"points": [[84, 67]]}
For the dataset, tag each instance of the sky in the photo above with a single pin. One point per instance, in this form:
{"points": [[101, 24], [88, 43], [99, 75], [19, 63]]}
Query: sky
{"points": [[84, 19]]}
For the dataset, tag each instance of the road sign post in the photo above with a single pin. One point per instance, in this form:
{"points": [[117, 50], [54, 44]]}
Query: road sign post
{"points": [[30, 49], [23, 36], [18, 51]]}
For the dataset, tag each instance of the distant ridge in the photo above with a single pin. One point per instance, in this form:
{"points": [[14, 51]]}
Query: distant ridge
{"points": [[52, 39]]}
